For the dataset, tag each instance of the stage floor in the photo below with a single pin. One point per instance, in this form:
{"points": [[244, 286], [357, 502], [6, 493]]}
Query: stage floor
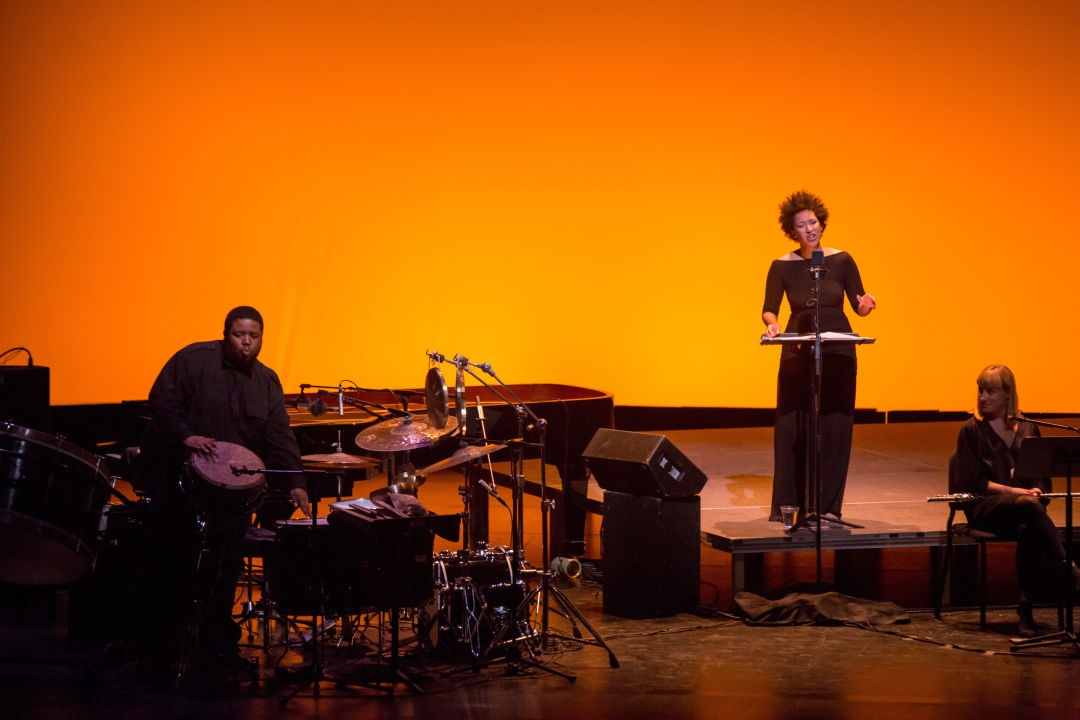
{"points": [[894, 468]]}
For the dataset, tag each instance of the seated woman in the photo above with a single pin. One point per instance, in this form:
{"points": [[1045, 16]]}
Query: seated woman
{"points": [[1009, 506]]}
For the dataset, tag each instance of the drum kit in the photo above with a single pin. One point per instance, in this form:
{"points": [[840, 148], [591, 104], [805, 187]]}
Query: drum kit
{"points": [[56, 500]]}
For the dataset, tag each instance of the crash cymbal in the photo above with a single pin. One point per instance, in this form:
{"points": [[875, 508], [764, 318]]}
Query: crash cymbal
{"points": [[407, 433], [463, 455], [336, 461], [436, 397]]}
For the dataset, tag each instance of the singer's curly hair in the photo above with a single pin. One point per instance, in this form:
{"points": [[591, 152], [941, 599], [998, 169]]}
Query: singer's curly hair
{"points": [[795, 203], [1000, 377]]}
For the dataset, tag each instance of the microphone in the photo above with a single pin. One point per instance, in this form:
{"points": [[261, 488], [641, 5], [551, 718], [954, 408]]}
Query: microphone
{"points": [[340, 400], [494, 493], [1043, 423], [817, 258]]}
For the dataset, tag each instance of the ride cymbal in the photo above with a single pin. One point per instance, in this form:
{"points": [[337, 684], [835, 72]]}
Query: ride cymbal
{"points": [[399, 434]]}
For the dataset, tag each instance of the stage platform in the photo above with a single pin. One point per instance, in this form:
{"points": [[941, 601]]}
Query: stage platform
{"points": [[894, 468]]}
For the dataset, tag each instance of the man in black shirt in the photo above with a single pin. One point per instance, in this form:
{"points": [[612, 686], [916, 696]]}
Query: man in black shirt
{"points": [[209, 392]]}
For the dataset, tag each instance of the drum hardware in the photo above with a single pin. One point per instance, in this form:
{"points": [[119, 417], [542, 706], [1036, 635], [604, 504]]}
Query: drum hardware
{"points": [[407, 482], [544, 592]]}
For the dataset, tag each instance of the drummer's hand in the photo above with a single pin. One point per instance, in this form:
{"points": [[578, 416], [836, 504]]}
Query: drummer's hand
{"points": [[300, 500], [200, 444]]}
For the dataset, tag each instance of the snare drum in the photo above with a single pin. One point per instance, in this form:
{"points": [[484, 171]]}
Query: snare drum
{"points": [[216, 484], [52, 498]]}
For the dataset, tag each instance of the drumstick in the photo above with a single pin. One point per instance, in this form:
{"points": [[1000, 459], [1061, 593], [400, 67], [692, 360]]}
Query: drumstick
{"points": [[483, 432]]}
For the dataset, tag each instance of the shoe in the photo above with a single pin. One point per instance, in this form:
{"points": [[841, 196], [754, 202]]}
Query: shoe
{"points": [[1027, 627], [230, 663]]}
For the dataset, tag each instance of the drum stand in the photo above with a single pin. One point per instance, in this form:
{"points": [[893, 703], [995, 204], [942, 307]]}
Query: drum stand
{"points": [[545, 590], [314, 673]]}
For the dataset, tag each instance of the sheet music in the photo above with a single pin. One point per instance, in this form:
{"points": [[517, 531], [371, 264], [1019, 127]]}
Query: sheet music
{"points": [[827, 336]]}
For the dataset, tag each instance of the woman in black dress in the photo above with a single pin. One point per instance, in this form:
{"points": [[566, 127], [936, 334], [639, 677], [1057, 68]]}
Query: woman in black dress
{"points": [[1008, 506], [803, 217]]}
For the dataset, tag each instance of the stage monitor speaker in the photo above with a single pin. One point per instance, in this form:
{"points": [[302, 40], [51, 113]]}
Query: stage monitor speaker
{"points": [[24, 396], [641, 464], [652, 555]]}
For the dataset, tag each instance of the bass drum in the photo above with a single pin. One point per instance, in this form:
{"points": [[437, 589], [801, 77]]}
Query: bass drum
{"points": [[52, 501]]}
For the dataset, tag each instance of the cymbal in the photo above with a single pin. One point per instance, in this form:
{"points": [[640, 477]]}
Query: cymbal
{"points": [[337, 461], [407, 433], [436, 397], [463, 455]]}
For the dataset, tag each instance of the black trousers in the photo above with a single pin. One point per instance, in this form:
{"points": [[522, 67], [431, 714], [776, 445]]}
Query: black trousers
{"points": [[192, 561], [1039, 552], [791, 445]]}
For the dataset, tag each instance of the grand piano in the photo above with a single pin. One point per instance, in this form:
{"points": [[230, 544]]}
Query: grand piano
{"points": [[573, 415]]}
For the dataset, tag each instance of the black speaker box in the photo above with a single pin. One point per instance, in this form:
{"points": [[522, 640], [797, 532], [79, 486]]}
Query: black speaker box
{"points": [[641, 464], [24, 396], [652, 555]]}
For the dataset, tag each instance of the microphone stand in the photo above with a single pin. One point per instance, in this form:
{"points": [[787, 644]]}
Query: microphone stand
{"points": [[813, 465], [1067, 634], [546, 590]]}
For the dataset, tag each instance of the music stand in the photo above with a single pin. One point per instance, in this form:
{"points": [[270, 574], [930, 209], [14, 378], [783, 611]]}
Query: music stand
{"points": [[812, 493], [1053, 457]]}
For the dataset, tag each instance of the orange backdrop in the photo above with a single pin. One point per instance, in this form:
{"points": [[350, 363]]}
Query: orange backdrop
{"points": [[575, 192]]}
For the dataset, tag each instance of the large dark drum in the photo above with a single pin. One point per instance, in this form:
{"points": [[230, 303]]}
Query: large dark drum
{"points": [[52, 499]]}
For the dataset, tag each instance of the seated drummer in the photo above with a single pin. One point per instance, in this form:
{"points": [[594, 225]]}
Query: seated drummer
{"points": [[1008, 506], [208, 392]]}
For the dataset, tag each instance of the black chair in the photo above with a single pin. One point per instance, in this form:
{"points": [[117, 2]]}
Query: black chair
{"points": [[963, 530]]}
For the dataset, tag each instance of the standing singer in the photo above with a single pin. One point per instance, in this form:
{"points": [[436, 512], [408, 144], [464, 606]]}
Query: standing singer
{"points": [[803, 217]]}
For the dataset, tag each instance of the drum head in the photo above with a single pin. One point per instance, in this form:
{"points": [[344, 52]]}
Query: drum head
{"points": [[36, 553], [220, 469]]}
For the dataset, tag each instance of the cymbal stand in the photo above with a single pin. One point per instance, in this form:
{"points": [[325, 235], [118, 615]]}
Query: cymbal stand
{"points": [[545, 590]]}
